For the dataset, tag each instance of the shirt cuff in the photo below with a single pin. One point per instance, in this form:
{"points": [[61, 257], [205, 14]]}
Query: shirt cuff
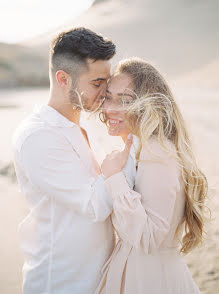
{"points": [[101, 200], [117, 185]]}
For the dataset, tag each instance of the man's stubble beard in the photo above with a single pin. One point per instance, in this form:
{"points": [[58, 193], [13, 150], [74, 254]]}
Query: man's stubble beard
{"points": [[80, 102], [77, 100]]}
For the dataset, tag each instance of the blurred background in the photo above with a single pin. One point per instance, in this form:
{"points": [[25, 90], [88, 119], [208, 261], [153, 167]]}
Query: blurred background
{"points": [[180, 38]]}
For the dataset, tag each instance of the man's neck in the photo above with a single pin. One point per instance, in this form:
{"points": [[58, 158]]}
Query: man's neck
{"points": [[66, 110]]}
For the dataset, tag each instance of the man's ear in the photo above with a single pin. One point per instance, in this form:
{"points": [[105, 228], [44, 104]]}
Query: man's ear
{"points": [[63, 79]]}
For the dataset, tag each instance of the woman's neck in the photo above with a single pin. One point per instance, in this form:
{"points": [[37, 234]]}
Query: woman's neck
{"points": [[124, 138]]}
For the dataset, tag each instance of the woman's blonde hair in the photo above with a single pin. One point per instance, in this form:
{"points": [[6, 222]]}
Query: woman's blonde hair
{"points": [[155, 113]]}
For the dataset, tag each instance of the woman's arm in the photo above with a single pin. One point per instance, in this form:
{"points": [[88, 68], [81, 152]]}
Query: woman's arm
{"points": [[145, 217]]}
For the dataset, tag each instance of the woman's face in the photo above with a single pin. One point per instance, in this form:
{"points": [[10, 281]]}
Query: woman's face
{"points": [[119, 94]]}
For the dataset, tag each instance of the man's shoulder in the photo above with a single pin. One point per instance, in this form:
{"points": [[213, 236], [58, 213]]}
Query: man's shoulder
{"points": [[30, 126], [39, 132]]}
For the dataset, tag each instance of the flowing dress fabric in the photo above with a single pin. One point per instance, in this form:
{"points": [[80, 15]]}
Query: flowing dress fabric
{"points": [[146, 258]]}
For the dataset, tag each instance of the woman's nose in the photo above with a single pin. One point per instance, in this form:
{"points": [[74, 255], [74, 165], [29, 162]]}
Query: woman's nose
{"points": [[109, 107]]}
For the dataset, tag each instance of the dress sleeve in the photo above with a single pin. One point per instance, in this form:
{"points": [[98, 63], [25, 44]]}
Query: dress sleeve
{"points": [[54, 169], [143, 218]]}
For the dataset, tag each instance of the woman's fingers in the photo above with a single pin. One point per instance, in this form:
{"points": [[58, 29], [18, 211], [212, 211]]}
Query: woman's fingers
{"points": [[128, 145], [114, 162]]}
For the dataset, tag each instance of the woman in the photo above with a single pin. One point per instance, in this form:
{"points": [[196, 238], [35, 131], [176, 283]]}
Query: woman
{"points": [[169, 191]]}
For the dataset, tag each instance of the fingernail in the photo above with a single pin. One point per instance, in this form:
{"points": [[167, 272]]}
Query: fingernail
{"points": [[129, 136]]}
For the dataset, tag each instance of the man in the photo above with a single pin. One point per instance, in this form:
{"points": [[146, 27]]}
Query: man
{"points": [[67, 236]]}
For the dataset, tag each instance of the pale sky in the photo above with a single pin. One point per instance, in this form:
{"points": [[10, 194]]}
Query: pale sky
{"points": [[24, 19]]}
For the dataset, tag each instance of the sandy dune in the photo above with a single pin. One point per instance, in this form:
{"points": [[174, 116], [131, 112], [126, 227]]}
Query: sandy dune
{"points": [[178, 37]]}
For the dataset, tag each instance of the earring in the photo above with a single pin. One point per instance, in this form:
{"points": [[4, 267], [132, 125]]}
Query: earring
{"points": [[102, 117], [74, 107]]}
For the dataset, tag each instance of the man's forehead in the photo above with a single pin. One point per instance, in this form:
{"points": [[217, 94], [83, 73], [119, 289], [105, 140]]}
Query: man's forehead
{"points": [[100, 68]]}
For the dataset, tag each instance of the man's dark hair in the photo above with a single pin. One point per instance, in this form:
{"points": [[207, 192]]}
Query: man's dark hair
{"points": [[70, 50]]}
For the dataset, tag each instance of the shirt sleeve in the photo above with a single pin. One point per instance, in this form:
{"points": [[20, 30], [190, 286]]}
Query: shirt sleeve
{"points": [[143, 218], [54, 169]]}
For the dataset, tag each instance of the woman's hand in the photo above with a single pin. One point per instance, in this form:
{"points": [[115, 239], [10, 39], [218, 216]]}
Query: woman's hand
{"points": [[115, 162]]}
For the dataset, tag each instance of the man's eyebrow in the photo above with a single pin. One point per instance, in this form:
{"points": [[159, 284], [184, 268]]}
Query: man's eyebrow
{"points": [[99, 79]]}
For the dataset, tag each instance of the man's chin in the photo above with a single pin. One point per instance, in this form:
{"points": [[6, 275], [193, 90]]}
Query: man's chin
{"points": [[92, 108]]}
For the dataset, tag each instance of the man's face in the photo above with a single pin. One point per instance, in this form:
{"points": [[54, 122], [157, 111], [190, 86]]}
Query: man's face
{"points": [[91, 85]]}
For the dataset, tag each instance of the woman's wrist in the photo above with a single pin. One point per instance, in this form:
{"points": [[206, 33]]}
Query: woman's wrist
{"points": [[109, 173], [117, 184]]}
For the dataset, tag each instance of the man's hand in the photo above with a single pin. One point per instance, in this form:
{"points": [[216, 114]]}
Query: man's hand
{"points": [[115, 162]]}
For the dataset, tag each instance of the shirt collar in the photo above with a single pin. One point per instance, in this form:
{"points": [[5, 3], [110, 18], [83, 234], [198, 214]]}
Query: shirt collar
{"points": [[135, 147], [52, 116]]}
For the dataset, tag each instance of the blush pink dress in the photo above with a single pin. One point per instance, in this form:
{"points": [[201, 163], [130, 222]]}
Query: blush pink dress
{"points": [[146, 259]]}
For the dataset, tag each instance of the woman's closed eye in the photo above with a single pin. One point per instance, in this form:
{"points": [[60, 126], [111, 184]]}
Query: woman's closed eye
{"points": [[125, 101]]}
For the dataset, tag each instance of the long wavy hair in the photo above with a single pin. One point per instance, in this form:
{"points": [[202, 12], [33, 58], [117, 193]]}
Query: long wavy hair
{"points": [[154, 112]]}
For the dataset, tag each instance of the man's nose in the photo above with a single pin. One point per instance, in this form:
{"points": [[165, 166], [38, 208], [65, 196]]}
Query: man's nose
{"points": [[103, 87], [102, 91]]}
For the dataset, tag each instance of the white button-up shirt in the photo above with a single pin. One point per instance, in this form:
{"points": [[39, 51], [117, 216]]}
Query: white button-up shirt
{"points": [[67, 235]]}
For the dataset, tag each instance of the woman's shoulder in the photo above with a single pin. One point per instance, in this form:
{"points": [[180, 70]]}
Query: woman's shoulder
{"points": [[154, 150]]}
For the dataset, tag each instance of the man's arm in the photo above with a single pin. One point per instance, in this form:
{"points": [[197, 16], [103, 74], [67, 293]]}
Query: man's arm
{"points": [[55, 170]]}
